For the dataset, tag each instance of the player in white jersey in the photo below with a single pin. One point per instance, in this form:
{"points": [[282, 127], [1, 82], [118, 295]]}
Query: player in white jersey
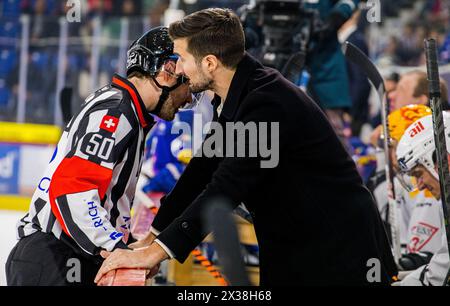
{"points": [[416, 157], [418, 218]]}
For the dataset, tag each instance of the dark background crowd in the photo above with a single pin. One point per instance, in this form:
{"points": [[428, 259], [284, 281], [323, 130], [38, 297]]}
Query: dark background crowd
{"points": [[97, 52]]}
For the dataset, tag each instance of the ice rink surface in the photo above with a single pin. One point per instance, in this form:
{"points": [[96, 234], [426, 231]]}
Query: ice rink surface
{"points": [[8, 220]]}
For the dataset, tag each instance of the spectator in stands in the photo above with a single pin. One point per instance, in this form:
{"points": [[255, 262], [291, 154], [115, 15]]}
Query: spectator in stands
{"points": [[444, 50], [42, 25], [443, 42], [390, 83], [388, 55], [410, 46], [156, 13], [99, 7], [413, 89], [437, 10], [132, 9], [39, 94], [358, 83]]}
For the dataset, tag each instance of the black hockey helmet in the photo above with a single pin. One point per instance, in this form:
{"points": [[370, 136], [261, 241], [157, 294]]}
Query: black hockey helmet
{"points": [[148, 53]]}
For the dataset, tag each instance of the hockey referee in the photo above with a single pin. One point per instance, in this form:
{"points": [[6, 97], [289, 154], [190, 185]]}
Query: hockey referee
{"points": [[82, 203]]}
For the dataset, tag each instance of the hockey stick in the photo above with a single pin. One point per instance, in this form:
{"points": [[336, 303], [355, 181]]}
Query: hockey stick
{"points": [[355, 55], [208, 265], [218, 218], [66, 104], [244, 214], [439, 135]]}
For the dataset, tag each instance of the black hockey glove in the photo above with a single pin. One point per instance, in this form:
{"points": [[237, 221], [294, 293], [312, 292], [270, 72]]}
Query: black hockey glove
{"points": [[412, 261]]}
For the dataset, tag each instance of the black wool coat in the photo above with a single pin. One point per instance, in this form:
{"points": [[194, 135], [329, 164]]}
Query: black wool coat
{"points": [[314, 220]]}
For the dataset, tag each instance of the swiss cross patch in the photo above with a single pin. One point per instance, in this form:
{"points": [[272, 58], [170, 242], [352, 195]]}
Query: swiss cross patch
{"points": [[109, 123]]}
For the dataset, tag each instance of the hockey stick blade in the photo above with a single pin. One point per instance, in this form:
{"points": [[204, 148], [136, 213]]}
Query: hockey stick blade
{"points": [[66, 104], [355, 55], [218, 218]]}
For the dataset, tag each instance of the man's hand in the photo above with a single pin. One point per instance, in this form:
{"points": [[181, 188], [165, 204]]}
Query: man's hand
{"points": [[147, 241], [145, 258], [143, 243]]}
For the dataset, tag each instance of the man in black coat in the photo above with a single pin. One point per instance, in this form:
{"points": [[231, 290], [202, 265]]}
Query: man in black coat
{"points": [[315, 221]]}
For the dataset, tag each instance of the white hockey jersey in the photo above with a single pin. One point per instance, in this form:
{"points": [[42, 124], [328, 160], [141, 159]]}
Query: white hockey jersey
{"points": [[425, 226], [419, 217], [432, 274]]}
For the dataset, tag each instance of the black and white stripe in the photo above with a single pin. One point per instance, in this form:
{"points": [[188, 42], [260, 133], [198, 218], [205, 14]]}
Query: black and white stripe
{"points": [[124, 162]]}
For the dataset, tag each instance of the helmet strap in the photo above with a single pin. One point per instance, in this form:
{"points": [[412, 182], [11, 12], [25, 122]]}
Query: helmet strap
{"points": [[164, 94], [433, 172]]}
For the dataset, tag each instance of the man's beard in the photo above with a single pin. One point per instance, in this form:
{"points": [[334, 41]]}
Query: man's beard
{"points": [[204, 84]]}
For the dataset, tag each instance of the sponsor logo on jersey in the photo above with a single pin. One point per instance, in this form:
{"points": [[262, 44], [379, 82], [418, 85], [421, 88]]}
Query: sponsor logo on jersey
{"points": [[115, 235], [421, 235]]}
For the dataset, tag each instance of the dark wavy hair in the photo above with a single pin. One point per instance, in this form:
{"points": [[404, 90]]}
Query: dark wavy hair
{"points": [[213, 31]]}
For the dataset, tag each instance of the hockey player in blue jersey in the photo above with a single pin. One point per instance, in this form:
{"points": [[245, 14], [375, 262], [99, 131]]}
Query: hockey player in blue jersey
{"points": [[169, 152]]}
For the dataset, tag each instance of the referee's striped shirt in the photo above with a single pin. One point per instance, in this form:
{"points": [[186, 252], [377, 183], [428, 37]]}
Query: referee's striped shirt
{"points": [[87, 190]]}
